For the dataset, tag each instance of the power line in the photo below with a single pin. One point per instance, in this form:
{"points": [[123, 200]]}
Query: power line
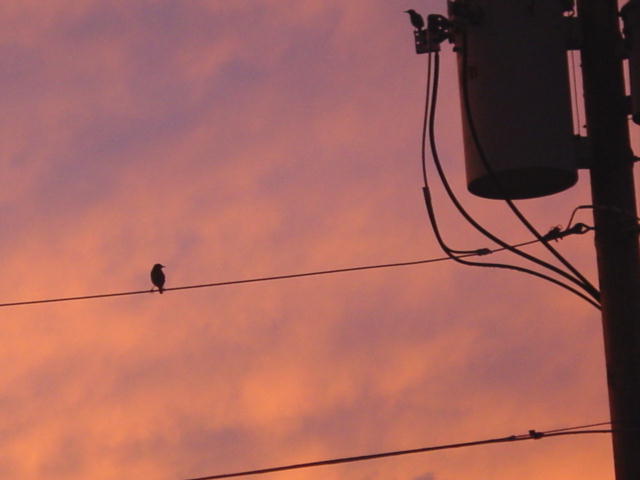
{"points": [[478, 252], [532, 435], [577, 427]]}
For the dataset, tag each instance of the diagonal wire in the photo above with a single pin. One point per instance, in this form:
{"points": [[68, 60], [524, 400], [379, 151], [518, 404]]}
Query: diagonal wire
{"points": [[578, 427], [532, 435], [478, 252], [230, 282]]}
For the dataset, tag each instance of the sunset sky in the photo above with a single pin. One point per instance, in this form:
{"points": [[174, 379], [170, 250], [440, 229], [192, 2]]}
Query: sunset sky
{"points": [[247, 138]]}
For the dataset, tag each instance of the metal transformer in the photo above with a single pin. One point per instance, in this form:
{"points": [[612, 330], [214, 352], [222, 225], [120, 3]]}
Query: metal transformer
{"points": [[515, 96]]}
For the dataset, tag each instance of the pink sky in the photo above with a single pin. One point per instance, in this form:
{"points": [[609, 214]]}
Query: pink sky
{"points": [[238, 139]]}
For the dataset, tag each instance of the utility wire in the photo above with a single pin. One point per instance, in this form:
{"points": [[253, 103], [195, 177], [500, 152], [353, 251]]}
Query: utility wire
{"points": [[577, 427], [532, 435], [478, 252], [630, 217], [459, 254], [430, 113]]}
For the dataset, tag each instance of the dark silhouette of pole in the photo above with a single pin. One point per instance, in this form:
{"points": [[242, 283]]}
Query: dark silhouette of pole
{"points": [[616, 226]]}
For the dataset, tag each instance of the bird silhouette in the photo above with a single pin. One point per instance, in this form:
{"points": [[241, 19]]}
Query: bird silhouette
{"points": [[416, 19], [157, 277]]}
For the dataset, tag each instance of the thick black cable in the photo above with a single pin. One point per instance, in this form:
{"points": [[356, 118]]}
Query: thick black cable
{"points": [[425, 120], [470, 219], [532, 435], [579, 277], [423, 146]]}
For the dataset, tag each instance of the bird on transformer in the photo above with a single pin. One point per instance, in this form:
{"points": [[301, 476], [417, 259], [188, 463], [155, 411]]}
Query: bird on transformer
{"points": [[157, 277], [416, 19]]}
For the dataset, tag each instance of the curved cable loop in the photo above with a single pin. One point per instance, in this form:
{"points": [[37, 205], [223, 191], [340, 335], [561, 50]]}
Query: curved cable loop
{"points": [[432, 218], [579, 277], [448, 251]]}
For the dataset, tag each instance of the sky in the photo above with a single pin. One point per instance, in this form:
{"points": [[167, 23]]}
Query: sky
{"points": [[239, 139]]}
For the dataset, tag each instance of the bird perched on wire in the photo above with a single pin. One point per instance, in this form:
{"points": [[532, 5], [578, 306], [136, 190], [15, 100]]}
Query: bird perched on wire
{"points": [[416, 19], [157, 277]]}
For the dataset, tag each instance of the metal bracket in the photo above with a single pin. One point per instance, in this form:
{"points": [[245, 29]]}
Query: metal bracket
{"points": [[424, 43], [438, 30]]}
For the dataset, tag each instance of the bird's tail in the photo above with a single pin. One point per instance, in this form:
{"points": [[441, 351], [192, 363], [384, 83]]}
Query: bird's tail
{"points": [[160, 289]]}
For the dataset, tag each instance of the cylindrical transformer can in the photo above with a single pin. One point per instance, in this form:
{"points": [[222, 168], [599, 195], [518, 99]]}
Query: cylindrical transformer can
{"points": [[516, 101], [631, 16]]}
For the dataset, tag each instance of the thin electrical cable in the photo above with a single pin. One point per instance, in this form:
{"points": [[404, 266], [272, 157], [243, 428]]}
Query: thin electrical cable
{"points": [[629, 215], [532, 435], [577, 427], [575, 210], [479, 252], [230, 282], [579, 277], [472, 221]]}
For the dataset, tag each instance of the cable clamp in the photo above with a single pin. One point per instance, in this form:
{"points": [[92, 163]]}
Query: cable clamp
{"points": [[557, 233], [579, 229], [535, 435]]}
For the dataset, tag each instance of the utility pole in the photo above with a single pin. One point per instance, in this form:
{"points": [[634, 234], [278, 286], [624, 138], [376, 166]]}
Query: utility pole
{"points": [[495, 95], [616, 226], [511, 28]]}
